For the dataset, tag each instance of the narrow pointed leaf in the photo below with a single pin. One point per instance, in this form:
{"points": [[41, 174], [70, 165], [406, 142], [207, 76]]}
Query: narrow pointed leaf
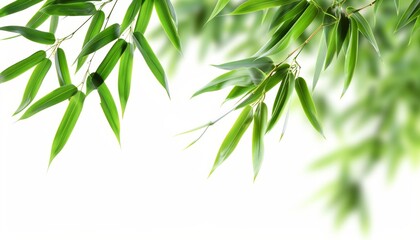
{"points": [[365, 29], [57, 96], [220, 5], [102, 39], [167, 22], [31, 34], [94, 28], [151, 59], [54, 24], [110, 109], [260, 127], [307, 103], [237, 92], [281, 100], [232, 78], [17, 6], [34, 84], [37, 20], [406, 17], [233, 137], [70, 9], [130, 14], [22, 66], [144, 16], [351, 56], [62, 67], [264, 63], [320, 60], [124, 76], [108, 64], [67, 124], [342, 31], [257, 5]]}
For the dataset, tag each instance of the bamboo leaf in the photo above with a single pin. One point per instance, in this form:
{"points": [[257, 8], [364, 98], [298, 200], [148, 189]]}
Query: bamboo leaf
{"points": [[34, 84], [144, 16], [70, 9], [282, 98], [57, 96], [351, 56], [54, 24], [62, 67], [407, 16], [151, 59], [232, 78], [131, 13], [257, 5], [307, 103], [168, 24], [102, 39], [67, 124], [110, 109], [365, 29], [94, 28], [17, 6], [233, 137], [237, 92], [22, 66], [220, 5], [260, 127], [320, 60], [288, 12], [343, 27], [263, 63], [124, 76], [107, 65], [37, 20], [31, 34]]}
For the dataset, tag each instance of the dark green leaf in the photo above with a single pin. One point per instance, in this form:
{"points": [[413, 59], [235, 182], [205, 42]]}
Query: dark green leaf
{"points": [[168, 24], [124, 76], [70, 9], [351, 56], [20, 67], [17, 6], [144, 16], [232, 138], [342, 31], [282, 98], [100, 40], [110, 109], [31, 34], [57, 96], [62, 67], [307, 103], [260, 127], [67, 124], [151, 59], [34, 84]]}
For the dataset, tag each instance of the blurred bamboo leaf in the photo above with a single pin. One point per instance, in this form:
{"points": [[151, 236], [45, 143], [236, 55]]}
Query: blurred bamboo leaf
{"points": [[264, 63], [412, 12], [257, 5], [57, 96], [234, 77], [220, 5]]}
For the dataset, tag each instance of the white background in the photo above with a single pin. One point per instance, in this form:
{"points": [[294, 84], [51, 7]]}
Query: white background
{"points": [[150, 188]]}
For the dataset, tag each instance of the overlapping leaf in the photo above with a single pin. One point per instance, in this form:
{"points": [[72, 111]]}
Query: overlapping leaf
{"points": [[22, 66]]}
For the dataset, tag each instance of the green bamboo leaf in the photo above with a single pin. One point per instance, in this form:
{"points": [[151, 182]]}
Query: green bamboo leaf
{"points": [[34, 84], [263, 63], [237, 92], [256, 75], [342, 31], [67, 124], [17, 6], [407, 16], [107, 65], [54, 24], [37, 20], [168, 23], [307, 103], [351, 56], [320, 60], [31, 34], [55, 97], [233, 137], [151, 59], [22, 66], [62, 67], [365, 29], [282, 98], [130, 14], [257, 5], [232, 78], [288, 12], [220, 5], [110, 109], [331, 45], [100, 40], [94, 28], [144, 16], [70, 9], [260, 127], [124, 76]]}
